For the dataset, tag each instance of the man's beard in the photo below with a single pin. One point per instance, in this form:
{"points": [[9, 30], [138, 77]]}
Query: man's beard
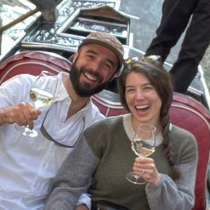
{"points": [[84, 89]]}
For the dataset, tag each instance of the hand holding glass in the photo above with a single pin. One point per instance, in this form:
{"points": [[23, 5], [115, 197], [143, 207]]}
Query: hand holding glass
{"points": [[143, 144], [40, 97]]}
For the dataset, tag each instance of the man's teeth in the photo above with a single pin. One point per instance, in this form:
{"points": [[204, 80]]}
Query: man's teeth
{"points": [[91, 77], [142, 107]]}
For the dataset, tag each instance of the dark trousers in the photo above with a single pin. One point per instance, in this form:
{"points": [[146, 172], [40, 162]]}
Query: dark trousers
{"points": [[176, 15]]}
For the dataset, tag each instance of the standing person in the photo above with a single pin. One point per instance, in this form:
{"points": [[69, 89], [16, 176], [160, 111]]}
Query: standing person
{"points": [[28, 164], [104, 155], [47, 8], [176, 14]]}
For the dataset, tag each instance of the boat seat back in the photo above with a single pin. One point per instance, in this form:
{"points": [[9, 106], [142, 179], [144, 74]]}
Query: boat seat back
{"points": [[185, 112], [194, 117], [33, 62]]}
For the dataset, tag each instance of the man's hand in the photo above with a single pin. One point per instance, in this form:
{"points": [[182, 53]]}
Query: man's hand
{"points": [[22, 114]]}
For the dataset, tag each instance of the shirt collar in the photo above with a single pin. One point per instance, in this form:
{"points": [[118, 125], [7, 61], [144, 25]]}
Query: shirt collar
{"points": [[61, 92]]}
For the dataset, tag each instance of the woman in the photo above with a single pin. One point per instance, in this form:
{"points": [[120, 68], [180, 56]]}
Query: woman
{"points": [[104, 156]]}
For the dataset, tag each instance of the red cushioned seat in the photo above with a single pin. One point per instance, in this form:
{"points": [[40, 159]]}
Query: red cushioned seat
{"points": [[185, 112], [33, 62], [191, 115]]}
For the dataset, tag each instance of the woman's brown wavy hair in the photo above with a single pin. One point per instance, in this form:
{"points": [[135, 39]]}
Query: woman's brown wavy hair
{"points": [[160, 79]]}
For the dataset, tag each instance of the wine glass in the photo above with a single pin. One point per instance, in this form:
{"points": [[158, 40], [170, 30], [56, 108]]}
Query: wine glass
{"points": [[40, 97], [143, 144]]}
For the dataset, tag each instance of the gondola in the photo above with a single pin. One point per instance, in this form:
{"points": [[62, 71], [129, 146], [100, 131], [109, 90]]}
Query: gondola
{"points": [[49, 44]]}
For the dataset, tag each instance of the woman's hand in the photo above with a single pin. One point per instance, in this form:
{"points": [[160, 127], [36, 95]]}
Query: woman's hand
{"points": [[81, 207], [145, 168]]}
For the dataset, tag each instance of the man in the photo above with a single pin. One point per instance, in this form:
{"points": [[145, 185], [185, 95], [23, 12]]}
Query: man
{"points": [[28, 164], [175, 17]]}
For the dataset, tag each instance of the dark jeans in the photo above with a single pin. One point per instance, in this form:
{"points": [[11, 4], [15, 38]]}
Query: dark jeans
{"points": [[175, 16]]}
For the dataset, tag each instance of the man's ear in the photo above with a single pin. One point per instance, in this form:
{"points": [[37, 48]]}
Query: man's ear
{"points": [[75, 56]]}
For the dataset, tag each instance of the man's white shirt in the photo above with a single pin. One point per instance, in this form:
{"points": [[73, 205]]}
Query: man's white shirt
{"points": [[28, 164]]}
